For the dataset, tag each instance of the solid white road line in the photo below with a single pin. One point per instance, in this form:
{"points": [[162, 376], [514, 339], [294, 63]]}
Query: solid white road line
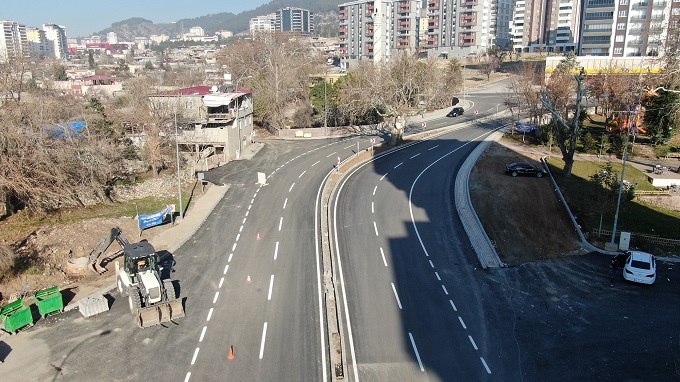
{"points": [[461, 322], [303, 173], [202, 333], [271, 285], [193, 359], [376, 228], [485, 365], [226, 267], [383, 177], [474, 345], [217, 294], [221, 282], [415, 349], [291, 187], [445, 291], [280, 223], [399, 165], [210, 312], [453, 306], [285, 202], [396, 295], [264, 336], [415, 156], [383, 256], [315, 163], [375, 189], [276, 250], [438, 278]]}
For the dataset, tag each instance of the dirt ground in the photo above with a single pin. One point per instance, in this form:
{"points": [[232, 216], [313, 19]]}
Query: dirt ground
{"points": [[46, 256], [522, 216]]}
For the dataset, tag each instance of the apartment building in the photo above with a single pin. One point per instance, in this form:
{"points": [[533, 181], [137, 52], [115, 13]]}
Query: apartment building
{"points": [[462, 27], [55, 37], [294, 20], [265, 23], [36, 43], [13, 42], [377, 30], [626, 28], [546, 25]]}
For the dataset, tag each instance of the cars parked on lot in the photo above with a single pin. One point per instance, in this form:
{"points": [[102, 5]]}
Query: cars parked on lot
{"points": [[640, 267], [456, 111], [521, 168]]}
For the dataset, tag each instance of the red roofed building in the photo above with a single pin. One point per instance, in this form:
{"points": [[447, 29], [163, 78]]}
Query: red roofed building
{"points": [[215, 122]]}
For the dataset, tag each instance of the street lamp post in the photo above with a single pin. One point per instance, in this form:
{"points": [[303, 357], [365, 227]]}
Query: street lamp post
{"points": [[179, 178], [623, 169]]}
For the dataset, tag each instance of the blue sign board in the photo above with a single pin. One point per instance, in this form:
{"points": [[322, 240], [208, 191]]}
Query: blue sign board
{"points": [[525, 127], [154, 219]]}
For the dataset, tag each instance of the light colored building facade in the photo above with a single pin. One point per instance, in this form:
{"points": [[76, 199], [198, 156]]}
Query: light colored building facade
{"points": [[377, 30], [55, 36], [546, 25], [36, 43], [461, 27], [159, 38], [626, 28], [112, 38], [13, 42], [197, 31], [294, 20], [265, 23]]}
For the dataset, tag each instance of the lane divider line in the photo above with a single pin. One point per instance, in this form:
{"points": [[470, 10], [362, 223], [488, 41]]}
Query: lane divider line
{"points": [[374, 190], [226, 268], [432, 148], [210, 312], [376, 228], [233, 247], [291, 187], [399, 165], [488, 371], [431, 264], [202, 334], [415, 156], [217, 294], [372, 207], [445, 291], [383, 177], [438, 278], [186, 379], [330, 155], [315, 163], [383, 256], [280, 223], [276, 250], [229, 259], [474, 345], [264, 337], [461, 322], [453, 306], [396, 295], [415, 349], [285, 202], [303, 173], [271, 285], [221, 282], [193, 359]]}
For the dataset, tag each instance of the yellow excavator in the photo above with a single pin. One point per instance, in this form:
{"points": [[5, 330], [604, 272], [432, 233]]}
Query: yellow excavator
{"points": [[144, 279]]}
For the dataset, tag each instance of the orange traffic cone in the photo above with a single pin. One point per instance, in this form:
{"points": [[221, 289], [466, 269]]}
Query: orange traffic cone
{"points": [[248, 279], [258, 236], [231, 352]]}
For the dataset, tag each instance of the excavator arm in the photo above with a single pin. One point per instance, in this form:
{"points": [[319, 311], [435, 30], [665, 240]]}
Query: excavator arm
{"points": [[116, 234]]}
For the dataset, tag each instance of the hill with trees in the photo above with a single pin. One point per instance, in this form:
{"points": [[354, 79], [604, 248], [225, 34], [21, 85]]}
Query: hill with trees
{"points": [[138, 27]]}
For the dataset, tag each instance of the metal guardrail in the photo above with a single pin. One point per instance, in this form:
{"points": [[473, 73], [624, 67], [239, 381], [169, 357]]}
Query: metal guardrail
{"points": [[650, 238]]}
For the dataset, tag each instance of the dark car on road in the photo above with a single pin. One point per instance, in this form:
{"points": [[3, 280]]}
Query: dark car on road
{"points": [[521, 168], [456, 111]]}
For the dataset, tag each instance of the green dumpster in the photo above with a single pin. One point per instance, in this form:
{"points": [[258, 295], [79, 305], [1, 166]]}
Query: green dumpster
{"points": [[49, 301], [15, 316]]}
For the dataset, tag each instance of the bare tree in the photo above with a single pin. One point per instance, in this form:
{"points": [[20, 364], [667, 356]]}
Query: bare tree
{"points": [[276, 66], [557, 98], [394, 90]]}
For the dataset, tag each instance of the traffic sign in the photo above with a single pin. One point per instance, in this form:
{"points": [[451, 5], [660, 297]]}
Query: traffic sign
{"points": [[424, 124]]}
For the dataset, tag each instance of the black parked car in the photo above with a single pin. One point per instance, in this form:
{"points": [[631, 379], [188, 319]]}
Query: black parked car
{"points": [[521, 168], [456, 111]]}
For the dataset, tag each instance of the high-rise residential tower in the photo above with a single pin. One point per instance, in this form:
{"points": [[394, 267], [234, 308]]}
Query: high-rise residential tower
{"points": [[460, 27], [546, 25], [55, 36], [13, 42], [294, 20]]}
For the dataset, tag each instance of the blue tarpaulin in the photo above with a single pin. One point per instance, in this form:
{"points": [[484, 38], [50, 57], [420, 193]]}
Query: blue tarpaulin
{"points": [[70, 129], [154, 219]]}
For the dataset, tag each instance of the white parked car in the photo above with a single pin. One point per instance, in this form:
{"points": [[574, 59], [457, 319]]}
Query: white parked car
{"points": [[640, 267]]}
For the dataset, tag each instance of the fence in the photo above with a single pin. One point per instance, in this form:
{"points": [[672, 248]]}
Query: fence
{"points": [[650, 238], [655, 192]]}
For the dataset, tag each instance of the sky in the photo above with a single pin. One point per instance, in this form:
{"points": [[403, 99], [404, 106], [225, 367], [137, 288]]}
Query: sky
{"points": [[84, 17]]}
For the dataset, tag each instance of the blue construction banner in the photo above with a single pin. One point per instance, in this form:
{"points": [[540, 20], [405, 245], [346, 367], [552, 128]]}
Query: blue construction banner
{"points": [[525, 127], [154, 219]]}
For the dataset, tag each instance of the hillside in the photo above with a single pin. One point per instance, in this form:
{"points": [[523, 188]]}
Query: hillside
{"points": [[139, 27]]}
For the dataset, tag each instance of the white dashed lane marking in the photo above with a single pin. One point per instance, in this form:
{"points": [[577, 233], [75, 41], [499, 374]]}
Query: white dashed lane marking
{"points": [[210, 312], [264, 337], [226, 268], [438, 278], [383, 256], [276, 250], [431, 264], [383, 177], [221, 283], [193, 359], [445, 291], [291, 187], [453, 306], [376, 228], [271, 285], [315, 163], [461, 322], [399, 165], [474, 345], [485, 365], [415, 156], [202, 334], [217, 294], [415, 349], [396, 295], [375, 189], [285, 202], [280, 223], [432, 148]]}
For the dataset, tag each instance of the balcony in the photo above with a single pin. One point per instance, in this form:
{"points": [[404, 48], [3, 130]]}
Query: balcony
{"points": [[405, 8], [469, 2], [221, 118], [660, 4]]}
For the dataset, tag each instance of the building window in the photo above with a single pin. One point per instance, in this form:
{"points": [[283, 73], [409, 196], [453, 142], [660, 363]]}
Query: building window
{"points": [[619, 38], [618, 50], [623, 2], [623, 13]]}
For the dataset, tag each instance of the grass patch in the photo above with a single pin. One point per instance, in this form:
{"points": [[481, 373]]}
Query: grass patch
{"points": [[634, 216]]}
